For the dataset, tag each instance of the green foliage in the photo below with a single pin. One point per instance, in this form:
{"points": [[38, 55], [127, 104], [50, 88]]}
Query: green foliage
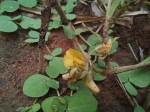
{"points": [[93, 40], [78, 31], [69, 33], [70, 16], [98, 77], [138, 108], [36, 85], [34, 36], [52, 84], [82, 102], [9, 6], [114, 5], [114, 46], [53, 70], [56, 52], [54, 104], [130, 88], [28, 3], [28, 22], [138, 77]]}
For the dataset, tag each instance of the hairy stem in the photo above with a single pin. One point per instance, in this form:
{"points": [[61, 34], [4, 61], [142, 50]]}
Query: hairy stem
{"points": [[125, 68]]}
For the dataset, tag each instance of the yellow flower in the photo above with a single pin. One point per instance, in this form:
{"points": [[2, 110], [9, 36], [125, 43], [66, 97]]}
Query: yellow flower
{"points": [[74, 59], [104, 49]]}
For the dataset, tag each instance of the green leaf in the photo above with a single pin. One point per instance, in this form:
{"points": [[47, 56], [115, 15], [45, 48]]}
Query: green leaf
{"points": [[48, 57], [47, 104], [82, 102], [35, 86], [82, 87], [69, 7], [9, 5], [98, 67], [28, 3], [114, 47], [69, 33], [84, 47], [72, 86], [32, 40], [138, 108], [56, 52], [78, 31], [131, 90], [36, 24], [93, 40], [53, 84], [91, 51], [56, 67], [55, 24], [23, 109], [6, 18], [140, 77], [101, 63], [34, 34], [58, 102], [114, 64], [98, 77], [28, 22], [47, 36], [36, 107], [114, 6], [70, 16], [124, 76], [16, 17], [7, 26]]}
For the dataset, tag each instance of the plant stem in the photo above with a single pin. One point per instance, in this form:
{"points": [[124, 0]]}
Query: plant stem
{"points": [[58, 94], [96, 34], [60, 12], [48, 49], [125, 68]]}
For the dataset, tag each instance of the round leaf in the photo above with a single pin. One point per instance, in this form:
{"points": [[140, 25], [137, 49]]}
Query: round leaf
{"points": [[47, 104], [28, 3], [35, 86], [9, 5], [82, 102], [7, 26]]}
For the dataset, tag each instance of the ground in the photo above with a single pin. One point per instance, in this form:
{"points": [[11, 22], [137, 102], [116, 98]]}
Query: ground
{"points": [[19, 60]]}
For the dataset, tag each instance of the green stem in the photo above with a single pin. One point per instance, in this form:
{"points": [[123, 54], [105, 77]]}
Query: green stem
{"points": [[48, 49], [84, 40], [58, 94], [97, 35]]}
